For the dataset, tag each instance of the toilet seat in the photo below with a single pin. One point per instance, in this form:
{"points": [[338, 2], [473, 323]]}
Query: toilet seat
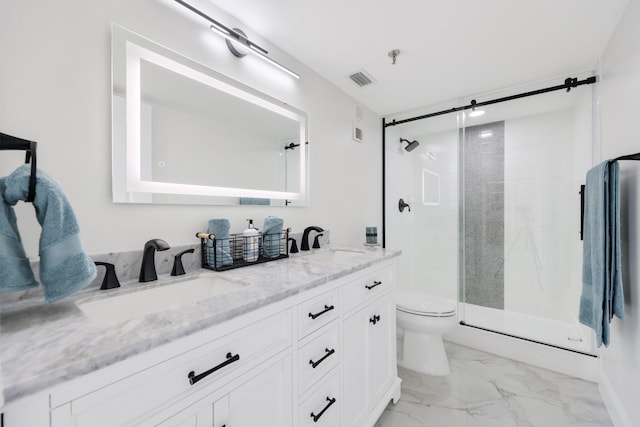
{"points": [[424, 305]]}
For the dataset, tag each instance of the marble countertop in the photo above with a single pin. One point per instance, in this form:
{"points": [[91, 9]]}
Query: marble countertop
{"points": [[43, 345]]}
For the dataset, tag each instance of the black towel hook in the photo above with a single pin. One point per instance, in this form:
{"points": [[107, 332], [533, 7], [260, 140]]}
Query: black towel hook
{"points": [[8, 142]]}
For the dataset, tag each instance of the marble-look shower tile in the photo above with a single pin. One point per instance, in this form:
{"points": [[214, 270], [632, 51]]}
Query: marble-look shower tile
{"points": [[484, 390]]}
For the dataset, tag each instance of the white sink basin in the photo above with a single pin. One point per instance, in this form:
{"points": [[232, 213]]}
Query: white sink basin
{"points": [[130, 305], [335, 255]]}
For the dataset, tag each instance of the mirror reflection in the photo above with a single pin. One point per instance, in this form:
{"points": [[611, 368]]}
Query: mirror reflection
{"points": [[185, 134]]}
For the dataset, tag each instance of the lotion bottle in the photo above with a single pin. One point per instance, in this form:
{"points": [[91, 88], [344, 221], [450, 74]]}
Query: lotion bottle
{"points": [[251, 243]]}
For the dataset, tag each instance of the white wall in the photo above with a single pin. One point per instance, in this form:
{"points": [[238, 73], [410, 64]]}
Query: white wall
{"points": [[620, 92], [55, 88]]}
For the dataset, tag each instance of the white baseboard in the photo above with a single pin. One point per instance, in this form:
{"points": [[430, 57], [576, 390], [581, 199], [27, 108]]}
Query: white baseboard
{"points": [[616, 410], [555, 359]]}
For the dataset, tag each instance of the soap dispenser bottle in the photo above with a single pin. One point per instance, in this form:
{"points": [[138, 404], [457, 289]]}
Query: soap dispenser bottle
{"points": [[251, 242]]}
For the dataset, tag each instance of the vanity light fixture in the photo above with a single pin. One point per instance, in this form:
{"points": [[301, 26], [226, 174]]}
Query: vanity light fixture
{"points": [[236, 36]]}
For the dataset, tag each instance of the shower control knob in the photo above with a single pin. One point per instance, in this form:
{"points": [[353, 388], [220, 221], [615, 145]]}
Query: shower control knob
{"points": [[402, 204]]}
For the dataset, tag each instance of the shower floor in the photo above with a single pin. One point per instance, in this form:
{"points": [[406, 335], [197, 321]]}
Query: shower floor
{"points": [[484, 390]]}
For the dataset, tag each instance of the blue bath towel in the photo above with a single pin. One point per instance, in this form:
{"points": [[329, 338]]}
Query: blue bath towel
{"points": [[602, 294], [220, 227], [64, 266], [271, 235], [15, 271]]}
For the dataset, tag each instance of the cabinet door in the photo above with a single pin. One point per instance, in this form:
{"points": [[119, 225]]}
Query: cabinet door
{"points": [[200, 414], [382, 350], [355, 369], [265, 400]]}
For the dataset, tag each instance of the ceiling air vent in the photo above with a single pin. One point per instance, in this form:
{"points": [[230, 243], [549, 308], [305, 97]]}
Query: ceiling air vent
{"points": [[362, 78]]}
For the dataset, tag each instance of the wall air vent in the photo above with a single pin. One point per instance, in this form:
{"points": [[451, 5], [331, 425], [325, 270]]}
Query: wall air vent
{"points": [[362, 78]]}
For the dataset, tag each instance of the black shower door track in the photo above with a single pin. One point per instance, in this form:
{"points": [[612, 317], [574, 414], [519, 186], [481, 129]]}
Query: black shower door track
{"points": [[569, 83]]}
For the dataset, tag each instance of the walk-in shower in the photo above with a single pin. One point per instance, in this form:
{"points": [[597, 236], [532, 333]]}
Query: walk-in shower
{"points": [[495, 207]]}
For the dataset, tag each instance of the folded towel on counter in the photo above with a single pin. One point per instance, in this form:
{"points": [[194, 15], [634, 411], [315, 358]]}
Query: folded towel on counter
{"points": [[602, 293], [220, 227], [15, 271], [64, 266], [271, 235]]}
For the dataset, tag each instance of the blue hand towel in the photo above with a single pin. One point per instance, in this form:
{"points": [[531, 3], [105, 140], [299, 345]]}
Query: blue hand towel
{"points": [[602, 290], [15, 271], [271, 235], [220, 227], [64, 265]]}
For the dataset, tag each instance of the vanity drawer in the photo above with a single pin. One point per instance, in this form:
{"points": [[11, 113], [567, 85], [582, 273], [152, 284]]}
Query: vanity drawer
{"points": [[318, 357], [317, 312], [366, 287], [322, 407], [212, 364]]}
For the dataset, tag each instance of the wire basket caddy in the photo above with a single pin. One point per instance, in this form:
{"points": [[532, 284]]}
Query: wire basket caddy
{"points": [[239, 250]]}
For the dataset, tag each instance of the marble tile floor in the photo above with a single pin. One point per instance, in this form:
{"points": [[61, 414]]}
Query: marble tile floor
{"points": [[484, 390]]}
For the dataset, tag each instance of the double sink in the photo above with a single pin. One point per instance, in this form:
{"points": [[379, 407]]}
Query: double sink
{"points": [[125, 306]]}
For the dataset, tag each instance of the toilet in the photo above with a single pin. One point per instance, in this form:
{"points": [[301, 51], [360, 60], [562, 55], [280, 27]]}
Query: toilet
{"points": [[423, 319]]}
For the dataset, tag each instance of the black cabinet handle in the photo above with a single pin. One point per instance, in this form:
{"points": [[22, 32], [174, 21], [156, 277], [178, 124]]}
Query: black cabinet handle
{"points": [[193, 378], [375, 319], [326, 309], [375, 283], [317, 417], [315, 364]]}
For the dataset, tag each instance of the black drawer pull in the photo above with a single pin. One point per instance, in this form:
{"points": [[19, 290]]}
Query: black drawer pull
{"points": [[375, 319], [317, 417], [375, 283], [193, 378], [315, 364], [326, 309]]}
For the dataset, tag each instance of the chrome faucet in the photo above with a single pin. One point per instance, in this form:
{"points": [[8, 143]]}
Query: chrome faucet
{"points": [[305, 236], [148, 267]]}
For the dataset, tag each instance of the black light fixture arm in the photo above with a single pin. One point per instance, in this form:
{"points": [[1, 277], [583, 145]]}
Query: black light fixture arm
{"points": [[241, 38]]}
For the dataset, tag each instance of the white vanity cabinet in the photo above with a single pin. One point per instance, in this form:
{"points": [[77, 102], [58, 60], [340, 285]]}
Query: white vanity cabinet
{"points": [[323, 357], [237, 366], [260, 398], [369, 353]]}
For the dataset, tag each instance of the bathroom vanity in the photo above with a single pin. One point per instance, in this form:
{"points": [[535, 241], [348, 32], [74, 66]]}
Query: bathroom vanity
{"points": [[305, 341]]}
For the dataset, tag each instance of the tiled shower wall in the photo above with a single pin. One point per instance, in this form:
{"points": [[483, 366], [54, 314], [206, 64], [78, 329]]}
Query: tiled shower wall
{"points": [[484, 215]]}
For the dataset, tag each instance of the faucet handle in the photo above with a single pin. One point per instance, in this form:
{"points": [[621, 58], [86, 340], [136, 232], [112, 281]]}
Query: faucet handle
{"points": [[316, 242], [178, 268], [110, 280], [294, 245]]}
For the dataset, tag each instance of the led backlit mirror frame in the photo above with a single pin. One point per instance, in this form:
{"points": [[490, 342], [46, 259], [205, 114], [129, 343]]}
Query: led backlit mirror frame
{"points": [[129, 183]]}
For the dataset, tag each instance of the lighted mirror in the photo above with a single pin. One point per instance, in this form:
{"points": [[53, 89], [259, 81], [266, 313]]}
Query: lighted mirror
{"points": [[183, 133]]}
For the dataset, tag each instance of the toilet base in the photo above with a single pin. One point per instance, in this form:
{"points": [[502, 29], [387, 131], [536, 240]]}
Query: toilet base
{"points": [[424, 353]]}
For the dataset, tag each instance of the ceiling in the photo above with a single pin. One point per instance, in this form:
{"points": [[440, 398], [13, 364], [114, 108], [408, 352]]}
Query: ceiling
{"points": [[448, 48]]}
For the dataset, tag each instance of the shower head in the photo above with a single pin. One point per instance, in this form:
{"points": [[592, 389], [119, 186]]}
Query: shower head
{"points": [[412, 144]]}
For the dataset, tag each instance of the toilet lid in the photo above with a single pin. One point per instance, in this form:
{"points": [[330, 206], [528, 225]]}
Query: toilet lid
{"points": [[418, 303]]}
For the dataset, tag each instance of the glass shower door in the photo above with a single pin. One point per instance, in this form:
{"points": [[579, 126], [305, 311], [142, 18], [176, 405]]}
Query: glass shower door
{"points": [[426, 178], [521, 166]]}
